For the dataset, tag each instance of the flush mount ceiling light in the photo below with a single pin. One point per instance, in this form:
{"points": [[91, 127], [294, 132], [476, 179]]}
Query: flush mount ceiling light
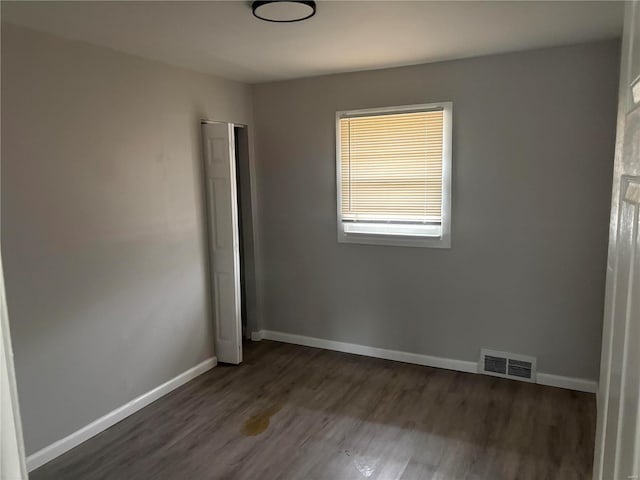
{"points": [[283, 11]]}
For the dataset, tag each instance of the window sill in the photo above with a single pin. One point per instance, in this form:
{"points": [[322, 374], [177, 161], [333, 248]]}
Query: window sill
{"points": [[396, 230], [394, 239]]}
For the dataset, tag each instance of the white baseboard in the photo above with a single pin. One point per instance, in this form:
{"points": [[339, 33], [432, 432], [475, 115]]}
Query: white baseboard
{"points": [[398, 356], [579, 384], [571, 383], [85, 433], [256, 336]]}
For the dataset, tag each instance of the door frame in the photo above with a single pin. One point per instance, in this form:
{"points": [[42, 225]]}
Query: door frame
{"points": [[620, 181], [13, 458]]}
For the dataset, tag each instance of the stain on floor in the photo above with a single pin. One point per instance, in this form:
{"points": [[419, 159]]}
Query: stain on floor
{"points": [[260, 422]]}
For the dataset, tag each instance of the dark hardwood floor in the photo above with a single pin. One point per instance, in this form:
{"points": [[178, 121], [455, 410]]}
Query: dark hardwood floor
{"points": [[293, 412]]}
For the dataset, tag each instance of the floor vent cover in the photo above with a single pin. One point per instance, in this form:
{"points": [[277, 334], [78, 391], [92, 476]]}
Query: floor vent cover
{"points": [[495, 364], [507, 365]]}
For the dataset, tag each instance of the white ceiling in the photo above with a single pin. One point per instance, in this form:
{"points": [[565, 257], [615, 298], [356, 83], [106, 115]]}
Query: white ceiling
{"points": [[223, 38]]}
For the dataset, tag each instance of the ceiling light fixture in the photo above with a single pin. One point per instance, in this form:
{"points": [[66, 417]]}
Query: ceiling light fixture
{"points": [[283, 11]]}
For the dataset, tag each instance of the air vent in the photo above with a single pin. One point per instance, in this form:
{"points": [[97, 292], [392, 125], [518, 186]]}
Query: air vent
{"points": [[495, 364], [507, 365], [518, 368]]}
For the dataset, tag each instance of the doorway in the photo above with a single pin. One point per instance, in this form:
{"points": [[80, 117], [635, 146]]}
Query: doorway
{"points": [[230, 213], [244, 178]]}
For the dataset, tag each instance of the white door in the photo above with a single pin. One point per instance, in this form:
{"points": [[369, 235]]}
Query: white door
{"points": [[617, 455], [224, 253]]}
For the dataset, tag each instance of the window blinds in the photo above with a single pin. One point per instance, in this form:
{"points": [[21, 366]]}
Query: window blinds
{"points": [[391, 167]]}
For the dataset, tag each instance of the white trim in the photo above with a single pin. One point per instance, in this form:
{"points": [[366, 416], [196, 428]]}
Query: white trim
{"points": [[414, 108], [398, 356], [443, 239], [85, 433], [578, 384], [401, 230], [257, 336], [12, 457], [571, 383]]}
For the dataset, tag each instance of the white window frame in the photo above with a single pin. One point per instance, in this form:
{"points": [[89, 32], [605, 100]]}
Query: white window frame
{"points": [[417, 235]]}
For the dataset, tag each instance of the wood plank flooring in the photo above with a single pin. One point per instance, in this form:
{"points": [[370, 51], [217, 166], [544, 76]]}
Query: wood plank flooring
{"points": [[292, 412]]}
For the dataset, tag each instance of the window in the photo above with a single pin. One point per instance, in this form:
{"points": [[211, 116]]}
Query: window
{"points": [[394, 175]]}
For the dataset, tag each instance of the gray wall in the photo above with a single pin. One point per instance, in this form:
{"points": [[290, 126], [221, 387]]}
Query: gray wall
{"points": [[103, 231], [532, 165]]}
